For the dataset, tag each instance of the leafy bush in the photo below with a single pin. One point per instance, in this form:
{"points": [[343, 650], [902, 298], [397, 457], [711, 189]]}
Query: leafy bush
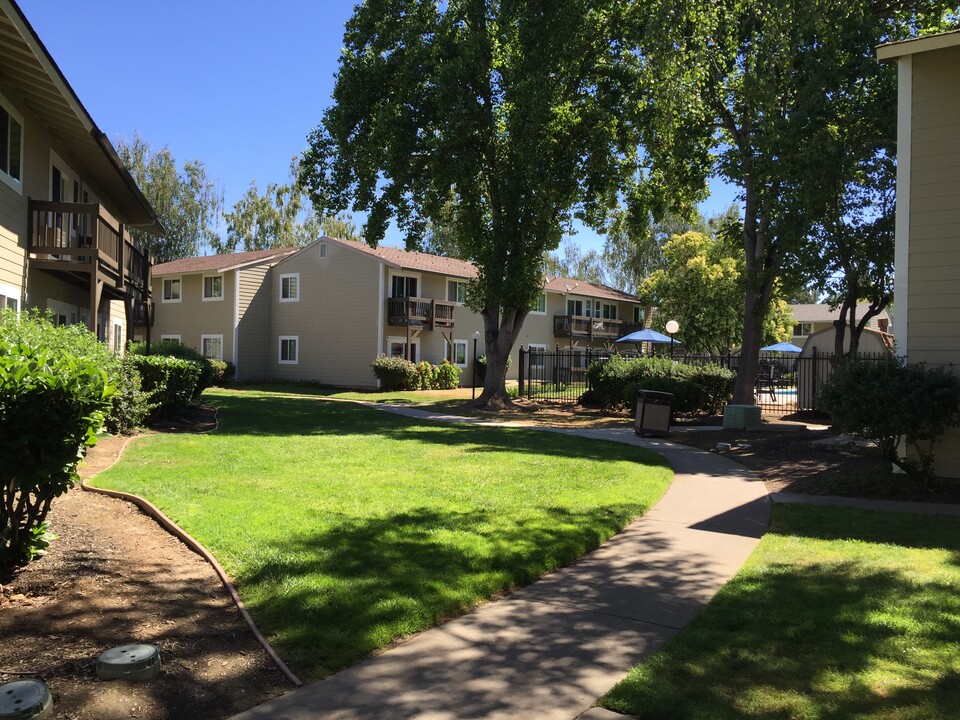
{"points": [[223, 372], [482, 367], [447, 375], [170, 382], [427, 381], [893, 403], [175, 349], [130, 404], [395, 373], [696, 390], [51, 404]]}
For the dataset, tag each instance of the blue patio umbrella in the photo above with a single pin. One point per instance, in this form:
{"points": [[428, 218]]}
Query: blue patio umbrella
{"points": [[782, 347], [642, 336]]}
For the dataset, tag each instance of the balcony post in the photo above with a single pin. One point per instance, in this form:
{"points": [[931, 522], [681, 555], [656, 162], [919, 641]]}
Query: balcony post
{"points": [[121, 267]]}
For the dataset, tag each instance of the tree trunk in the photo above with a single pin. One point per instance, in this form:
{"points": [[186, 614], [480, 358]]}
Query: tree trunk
{"points": [[743, 389], [500, 332]]}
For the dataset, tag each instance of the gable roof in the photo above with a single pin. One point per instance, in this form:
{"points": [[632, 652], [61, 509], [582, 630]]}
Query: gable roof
{"points": [[821, 312], [30, 72], [937, 41], [221, 263]]}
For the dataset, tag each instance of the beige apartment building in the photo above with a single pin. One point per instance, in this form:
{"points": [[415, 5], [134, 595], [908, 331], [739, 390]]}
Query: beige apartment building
{"points": [[926, 310], [66, 200], [325, 311]]}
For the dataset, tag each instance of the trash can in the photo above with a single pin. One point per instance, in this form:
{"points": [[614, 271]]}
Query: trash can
{"points": [[654, 413]]}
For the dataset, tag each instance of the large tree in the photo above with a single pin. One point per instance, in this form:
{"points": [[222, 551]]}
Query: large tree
{"points": [[517, 111], [187, 201], [767, 87], [574, 263]]}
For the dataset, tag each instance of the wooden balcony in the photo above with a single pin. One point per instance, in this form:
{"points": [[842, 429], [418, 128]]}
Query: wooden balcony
{"points": [[588, 328], [424, 312], [85, 245]]}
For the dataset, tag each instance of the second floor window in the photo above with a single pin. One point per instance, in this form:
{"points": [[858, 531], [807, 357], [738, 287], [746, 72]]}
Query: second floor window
{"points": [[802, 329], [213, 287], [456, 291], [609, 311], [11, 146], [541, 304], [403, 286], [290, 287], [171, 290]]}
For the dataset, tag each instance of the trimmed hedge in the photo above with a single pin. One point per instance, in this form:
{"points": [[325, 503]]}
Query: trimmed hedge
{"points": [[696, 390], [175, 349], [395, 373], [171, 382]]}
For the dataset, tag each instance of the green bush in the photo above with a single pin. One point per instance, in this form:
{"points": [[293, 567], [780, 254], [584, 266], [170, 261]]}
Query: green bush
{"points": [[170, 381], [175, 349], [696, 390], [447, 375], [482, 367], [395, 373], [427, 381], [892, 403], [130, 404], [223, 372], [51, 404]]}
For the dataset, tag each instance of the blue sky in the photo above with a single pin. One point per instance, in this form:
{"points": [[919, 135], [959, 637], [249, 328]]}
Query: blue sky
{"points": [[236, 85]]}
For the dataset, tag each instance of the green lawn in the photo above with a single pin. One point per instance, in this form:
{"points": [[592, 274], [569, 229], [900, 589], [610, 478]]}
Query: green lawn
{"points": [[346, 527], [838, 614]]}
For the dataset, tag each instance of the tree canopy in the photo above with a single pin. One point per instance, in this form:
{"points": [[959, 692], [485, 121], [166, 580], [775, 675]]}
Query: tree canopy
{"points": [[187, 201], [518, 111]]}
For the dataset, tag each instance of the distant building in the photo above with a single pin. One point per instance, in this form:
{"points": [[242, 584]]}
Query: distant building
{"points": [[811, 318]]}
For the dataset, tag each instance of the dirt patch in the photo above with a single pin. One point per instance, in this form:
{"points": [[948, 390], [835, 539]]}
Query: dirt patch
{"points": [[115, 577]]}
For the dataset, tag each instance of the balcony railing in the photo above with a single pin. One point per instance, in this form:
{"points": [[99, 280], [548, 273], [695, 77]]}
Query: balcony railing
{"points": [[80, 233], [420, 311], [580, 326]]}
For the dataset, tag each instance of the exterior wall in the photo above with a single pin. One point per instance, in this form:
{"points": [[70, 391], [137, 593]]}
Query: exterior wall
{"points": [[254, 352], [193, 317], [933, 292], [335, 319]]}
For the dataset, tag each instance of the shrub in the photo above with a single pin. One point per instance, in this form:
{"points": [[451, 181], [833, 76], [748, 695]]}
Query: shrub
{"points": [[427, 380], [175, 349], [893, 403], [482, 367], [51, 404], [395, 373], [130, 404], [447, 375], [223, 372], [170, 381], [696, 390]]}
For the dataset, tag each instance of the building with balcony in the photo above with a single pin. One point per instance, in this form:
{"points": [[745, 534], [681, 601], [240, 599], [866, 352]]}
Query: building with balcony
{"points": [[67, 202], [325, 311]]}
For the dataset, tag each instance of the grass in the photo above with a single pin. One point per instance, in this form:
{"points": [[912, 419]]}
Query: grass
{"points": [[838, 614], [346, 528]]}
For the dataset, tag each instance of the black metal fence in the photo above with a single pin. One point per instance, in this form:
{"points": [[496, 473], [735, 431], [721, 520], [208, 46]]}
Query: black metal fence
{"points": [[786, 383]]}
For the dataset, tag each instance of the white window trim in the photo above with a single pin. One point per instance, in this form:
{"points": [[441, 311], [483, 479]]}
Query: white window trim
{"points": [[203, 288], [403, 340], [212, 337], [542, 348], [289, 299], [809, 328], [466, 353], [538, 312], [117, 327], [163, 287], [11, 291], [418, 276], [171, 337], [9, 180], [280, 360], [459, 282]]}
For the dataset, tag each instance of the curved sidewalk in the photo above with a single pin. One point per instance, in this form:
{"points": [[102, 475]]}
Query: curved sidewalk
{"points": [[549, 650]]}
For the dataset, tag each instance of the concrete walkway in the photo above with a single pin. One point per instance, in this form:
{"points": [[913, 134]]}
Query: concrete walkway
{"points": [[549, 650]]}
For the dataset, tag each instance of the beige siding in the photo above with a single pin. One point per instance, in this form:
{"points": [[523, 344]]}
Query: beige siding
{"points": [[335, 318], [254, 345], [194, 317], [934, 272]]}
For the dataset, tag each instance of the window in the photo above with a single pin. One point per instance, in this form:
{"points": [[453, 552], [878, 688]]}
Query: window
{"points": [[323, 250], [802, 329], [575, 307], [290, 287], [11, 146], [397, 346], [540, 308], [460, 353], [175, 338], [117, 337], [537, 355], [403, 286], [211, 346], [213, 287], [637, 315], [9, 298], [289, 349], [456, 291], [609, 312], [171, 290]]}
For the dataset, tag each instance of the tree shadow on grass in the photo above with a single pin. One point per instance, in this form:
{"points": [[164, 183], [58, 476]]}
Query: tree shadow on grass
{"points": [[330, 598]]}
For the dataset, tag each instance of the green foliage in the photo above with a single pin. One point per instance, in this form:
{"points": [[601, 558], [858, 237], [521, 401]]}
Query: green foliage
{"points": [[426, 381], [171, 382], [481, 366], [889, 402], [51, 404], [176, 349], [447, 375], [188, 203], [574, 263], [130, 404], [223, 372], [697, 390], [514, 118], [395, 373]]}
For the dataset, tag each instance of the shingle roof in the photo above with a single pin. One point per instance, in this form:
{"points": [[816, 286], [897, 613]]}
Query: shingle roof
{"points": [[588, 289], [220, 263], [822, 312]]}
